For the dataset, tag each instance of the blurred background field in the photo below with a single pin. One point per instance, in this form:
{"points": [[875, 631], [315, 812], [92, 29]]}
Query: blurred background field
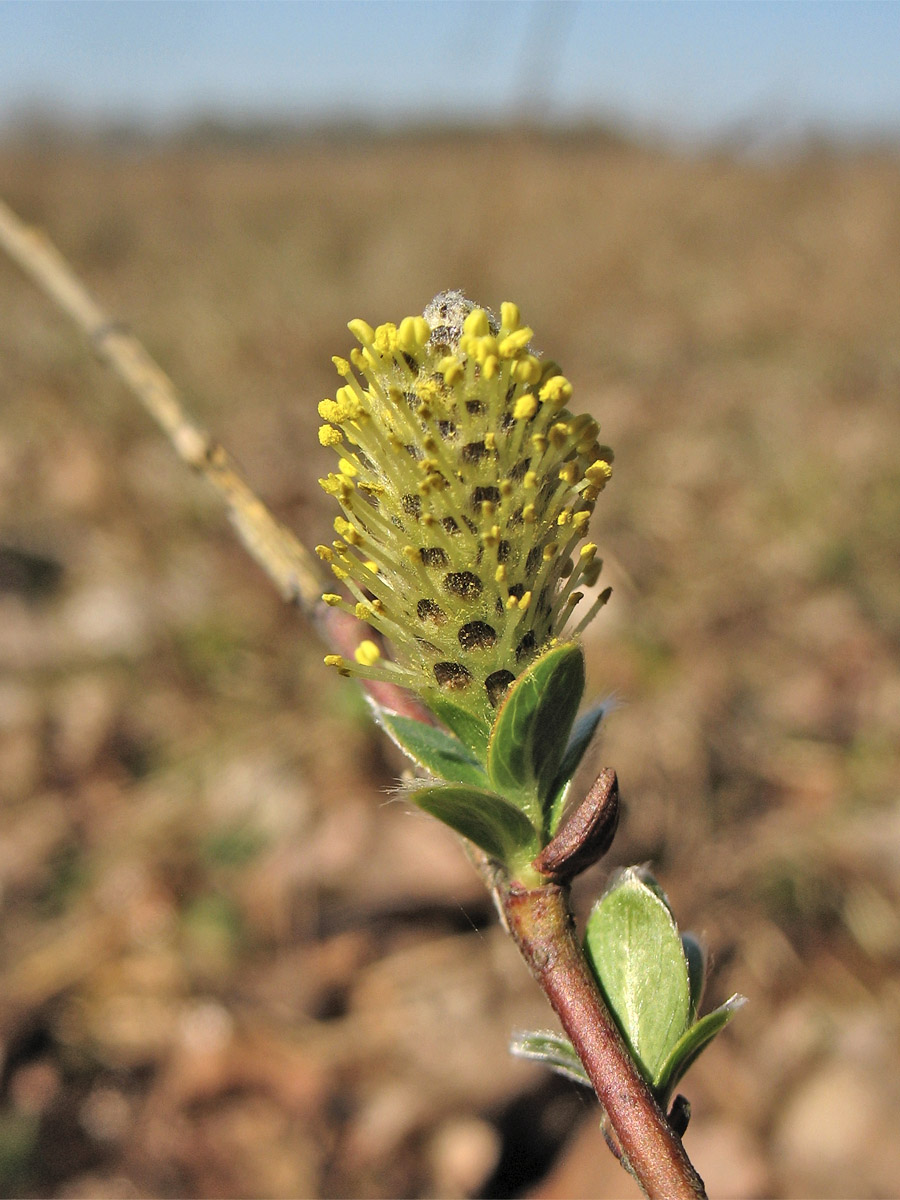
{"points": [[231, 964]]}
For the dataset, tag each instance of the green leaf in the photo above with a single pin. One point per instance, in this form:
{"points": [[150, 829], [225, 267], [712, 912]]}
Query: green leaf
{"points": [[502, 831], [472, 732], [692, 1042], [582, 735], [633, 946], [438, 752], [530, 733], [552, 1049]]}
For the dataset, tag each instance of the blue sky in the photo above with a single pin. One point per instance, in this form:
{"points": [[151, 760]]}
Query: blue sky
{"points": [[690, 69]]}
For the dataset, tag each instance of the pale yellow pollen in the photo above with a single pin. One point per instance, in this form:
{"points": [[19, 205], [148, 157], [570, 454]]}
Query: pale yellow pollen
{"points": [[331, 599], [490, 366], [500, 574], [347, 467], [525, 601], [342, 366], [325, 553], [329, 436]]}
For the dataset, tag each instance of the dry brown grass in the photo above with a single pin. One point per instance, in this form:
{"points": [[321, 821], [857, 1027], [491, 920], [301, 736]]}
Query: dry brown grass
{"points": [[228, 967]]}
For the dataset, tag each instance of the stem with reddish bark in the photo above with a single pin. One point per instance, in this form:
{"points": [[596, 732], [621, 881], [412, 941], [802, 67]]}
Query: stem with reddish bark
{"points": [[541, 924]]}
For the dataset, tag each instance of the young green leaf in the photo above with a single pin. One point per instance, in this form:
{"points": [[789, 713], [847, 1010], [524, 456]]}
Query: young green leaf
{"points": [[582, 734], [633, 946], [443, 755], [530, 734], [502, 831], [691, 1043], [551, 1049], [472, 732]]}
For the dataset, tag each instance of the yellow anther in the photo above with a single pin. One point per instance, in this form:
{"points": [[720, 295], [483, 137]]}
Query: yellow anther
{"points": [[525, 601], [599, 473], [343, 367], [358, 359], [361, 330], [329, 436], [527, 369], [529, 514], [565, 517], [367, 654], [476, 323], [490, 440], [334, 660], [559, 433], [325, 553], [550, 551], [339, 572], [332, 600], [513, 343], [386, 338], [412, 334], [506, 488], [529, 480], [428, 390], [490, 366], [525, 407], [347, 467], [362, 611], [451, 369], [573, 598], [371, 566], [580, 520], [509, 316], [511, 602], [587, 551], [413, 555], [568, 472], [556, 391], [500, 574]]}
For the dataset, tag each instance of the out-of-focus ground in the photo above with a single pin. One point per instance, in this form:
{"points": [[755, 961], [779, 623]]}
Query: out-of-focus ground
{"points": [[230, 964]]}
